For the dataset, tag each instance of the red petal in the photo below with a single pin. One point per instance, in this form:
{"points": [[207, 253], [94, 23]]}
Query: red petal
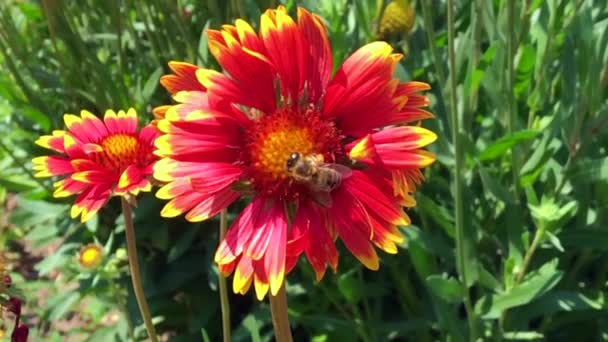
{"points": [[376, 195], [274, 259], [184, 78], [240, 52], [362, 86], [287, 49], [320, 249], [54, 142], [130, 178], [90, 201], [93, 125], [243, 275], [47, 166], [261, 233], [68, 187], [320, 61], [239, 234], [395, 148], [354, 227], [212, 205]]}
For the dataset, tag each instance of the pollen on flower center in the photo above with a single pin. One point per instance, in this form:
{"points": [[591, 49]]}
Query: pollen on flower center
{"points": [[273, 138], [277, 146], [120, 150]]}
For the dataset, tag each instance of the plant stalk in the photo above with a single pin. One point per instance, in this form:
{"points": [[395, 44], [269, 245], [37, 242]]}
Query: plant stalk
{"points": [[538, 238], [458, 192], [512, 105], [134, 267], [224, 302], [430, 36], [280, 319]]}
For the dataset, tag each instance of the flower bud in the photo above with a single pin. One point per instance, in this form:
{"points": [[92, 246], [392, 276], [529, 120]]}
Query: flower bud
{"points": [[397, 19], [20, 333], [91, 256], [7, 281], [14, 305]]}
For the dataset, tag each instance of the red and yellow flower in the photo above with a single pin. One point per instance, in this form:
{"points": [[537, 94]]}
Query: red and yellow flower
{"points": [[99, 158], [230, 135]]}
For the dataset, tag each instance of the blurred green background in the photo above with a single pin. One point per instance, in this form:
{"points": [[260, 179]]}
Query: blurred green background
{"points": [[532, 105]]}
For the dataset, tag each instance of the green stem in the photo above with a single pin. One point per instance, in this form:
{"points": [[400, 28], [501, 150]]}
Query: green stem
{"points": [[538, 238], [280, 319], [366, 307], [122, 305], [510, 123], [404, 288], [475, 56], [510, 90], [225, 304], [134, 267], [458, 180], [360, 328], [430, 36]]}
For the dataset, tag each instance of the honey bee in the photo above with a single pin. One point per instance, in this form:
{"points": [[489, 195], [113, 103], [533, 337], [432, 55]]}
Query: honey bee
{"points": [[320, 177]]}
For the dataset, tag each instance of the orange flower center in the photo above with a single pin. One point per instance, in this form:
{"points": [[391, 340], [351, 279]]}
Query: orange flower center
{"points": [[273, 151], [120, 150], [273, 138]]}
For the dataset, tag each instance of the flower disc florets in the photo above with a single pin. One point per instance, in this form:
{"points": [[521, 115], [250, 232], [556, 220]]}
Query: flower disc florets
{"points": [[271, 139]]}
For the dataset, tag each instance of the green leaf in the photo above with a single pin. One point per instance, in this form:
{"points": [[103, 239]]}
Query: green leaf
{"points": [[492, 185], [449, 289], [62, 303], [203, 47], [182, 245], [103, 334], [350, 286], [590, 171], [59, 258], [438, 214], [36, 116], [205, 335], [426, 239], [253, 326], [555, 241], [522, 335], [487, 279], [151, 85], [562, 301], [584, 238], [491, 306], [504, 144], [17, 183]]}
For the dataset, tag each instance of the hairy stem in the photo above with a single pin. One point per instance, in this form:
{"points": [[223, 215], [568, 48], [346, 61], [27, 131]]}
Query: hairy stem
{"points": [[430, 36], [225, 304], [458, 192], [538, 238], [135, 273], [280, 319]]}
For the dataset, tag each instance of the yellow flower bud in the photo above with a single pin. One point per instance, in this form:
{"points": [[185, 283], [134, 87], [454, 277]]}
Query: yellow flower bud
{"points": [[397, 19], [91, 256]]}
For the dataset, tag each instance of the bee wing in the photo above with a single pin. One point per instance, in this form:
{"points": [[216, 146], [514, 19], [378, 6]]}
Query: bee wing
{"points": [[323, 198], [345, 171]]}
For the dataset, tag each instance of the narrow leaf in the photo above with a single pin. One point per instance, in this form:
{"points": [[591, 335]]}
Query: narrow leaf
{"points": [[504, 144]]}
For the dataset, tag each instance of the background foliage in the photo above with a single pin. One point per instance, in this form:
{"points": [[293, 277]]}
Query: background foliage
{"points": [[532, 105]]}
